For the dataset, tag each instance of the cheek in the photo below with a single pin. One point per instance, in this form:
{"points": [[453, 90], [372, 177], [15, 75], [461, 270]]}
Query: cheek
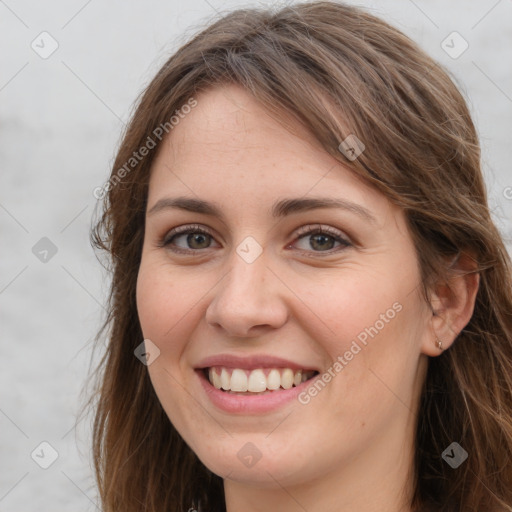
{"points": [[369, 302], [372, 329], [161, 302], [167, 316], [347, 305], [152, 299]]}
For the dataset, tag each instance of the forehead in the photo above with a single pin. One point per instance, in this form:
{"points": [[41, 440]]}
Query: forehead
{"points": [[229, 148], [227, 120]]}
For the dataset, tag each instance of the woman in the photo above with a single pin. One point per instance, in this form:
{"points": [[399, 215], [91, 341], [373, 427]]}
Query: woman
{"points": [[311, 308]]}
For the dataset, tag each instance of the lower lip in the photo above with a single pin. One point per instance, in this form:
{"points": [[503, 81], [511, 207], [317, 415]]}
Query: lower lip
{"points": [[246, 404]]}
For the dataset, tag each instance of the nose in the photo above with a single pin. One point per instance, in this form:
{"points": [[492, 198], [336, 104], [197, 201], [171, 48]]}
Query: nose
{"points": [[248, 300]]}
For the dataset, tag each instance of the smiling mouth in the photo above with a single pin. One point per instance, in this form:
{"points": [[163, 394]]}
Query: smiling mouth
{"points": [[259, 381]]}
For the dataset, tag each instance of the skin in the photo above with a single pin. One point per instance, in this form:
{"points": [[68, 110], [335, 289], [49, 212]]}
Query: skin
{"points": [[351, 447]]}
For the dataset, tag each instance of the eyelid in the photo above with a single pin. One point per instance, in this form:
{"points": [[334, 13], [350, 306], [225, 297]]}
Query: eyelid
{"points": [[303, 231], [315, 229], [165, 241], [185, 228], [310, 229]]}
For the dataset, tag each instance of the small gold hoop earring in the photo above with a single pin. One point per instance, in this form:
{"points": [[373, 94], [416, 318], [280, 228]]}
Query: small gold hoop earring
{"points": [[439, 344]]}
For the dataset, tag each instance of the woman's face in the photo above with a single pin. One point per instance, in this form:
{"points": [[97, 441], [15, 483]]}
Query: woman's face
{"points": [[257, 280]]}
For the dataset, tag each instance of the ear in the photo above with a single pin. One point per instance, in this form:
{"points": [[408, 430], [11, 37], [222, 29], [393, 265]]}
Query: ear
{"points": [[453, 303]]}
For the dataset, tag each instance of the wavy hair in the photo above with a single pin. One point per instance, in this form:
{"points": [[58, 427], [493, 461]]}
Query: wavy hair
{"points": [[338, 70]]}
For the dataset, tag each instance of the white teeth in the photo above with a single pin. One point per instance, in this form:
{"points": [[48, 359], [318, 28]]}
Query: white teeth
{"points": [[287, 378], [225, 379], [215, 379], [255, 381], [238, 380], [274, 379]]}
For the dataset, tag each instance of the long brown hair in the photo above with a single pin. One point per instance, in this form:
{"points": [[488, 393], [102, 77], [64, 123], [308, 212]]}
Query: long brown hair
{"points": [[338, 70]]}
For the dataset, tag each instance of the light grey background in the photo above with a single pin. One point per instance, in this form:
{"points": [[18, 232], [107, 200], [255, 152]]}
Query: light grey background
{"points": [[60, 123]]}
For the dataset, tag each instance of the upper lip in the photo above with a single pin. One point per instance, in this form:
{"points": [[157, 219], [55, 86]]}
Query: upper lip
{"points": [[251, 362]]}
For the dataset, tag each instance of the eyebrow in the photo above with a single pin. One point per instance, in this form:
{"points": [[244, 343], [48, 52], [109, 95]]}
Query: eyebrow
{"points": [[280, 208]]}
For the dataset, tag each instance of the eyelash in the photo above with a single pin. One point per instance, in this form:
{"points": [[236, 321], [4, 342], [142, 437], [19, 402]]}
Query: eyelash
{"points": [[302, 232]]}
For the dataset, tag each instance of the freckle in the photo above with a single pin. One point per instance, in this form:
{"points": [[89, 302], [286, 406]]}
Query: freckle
{"points": [[363, 424]]}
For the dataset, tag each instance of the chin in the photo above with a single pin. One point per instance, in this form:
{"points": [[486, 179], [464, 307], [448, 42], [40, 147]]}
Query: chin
{"points": [[250, 466]]}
